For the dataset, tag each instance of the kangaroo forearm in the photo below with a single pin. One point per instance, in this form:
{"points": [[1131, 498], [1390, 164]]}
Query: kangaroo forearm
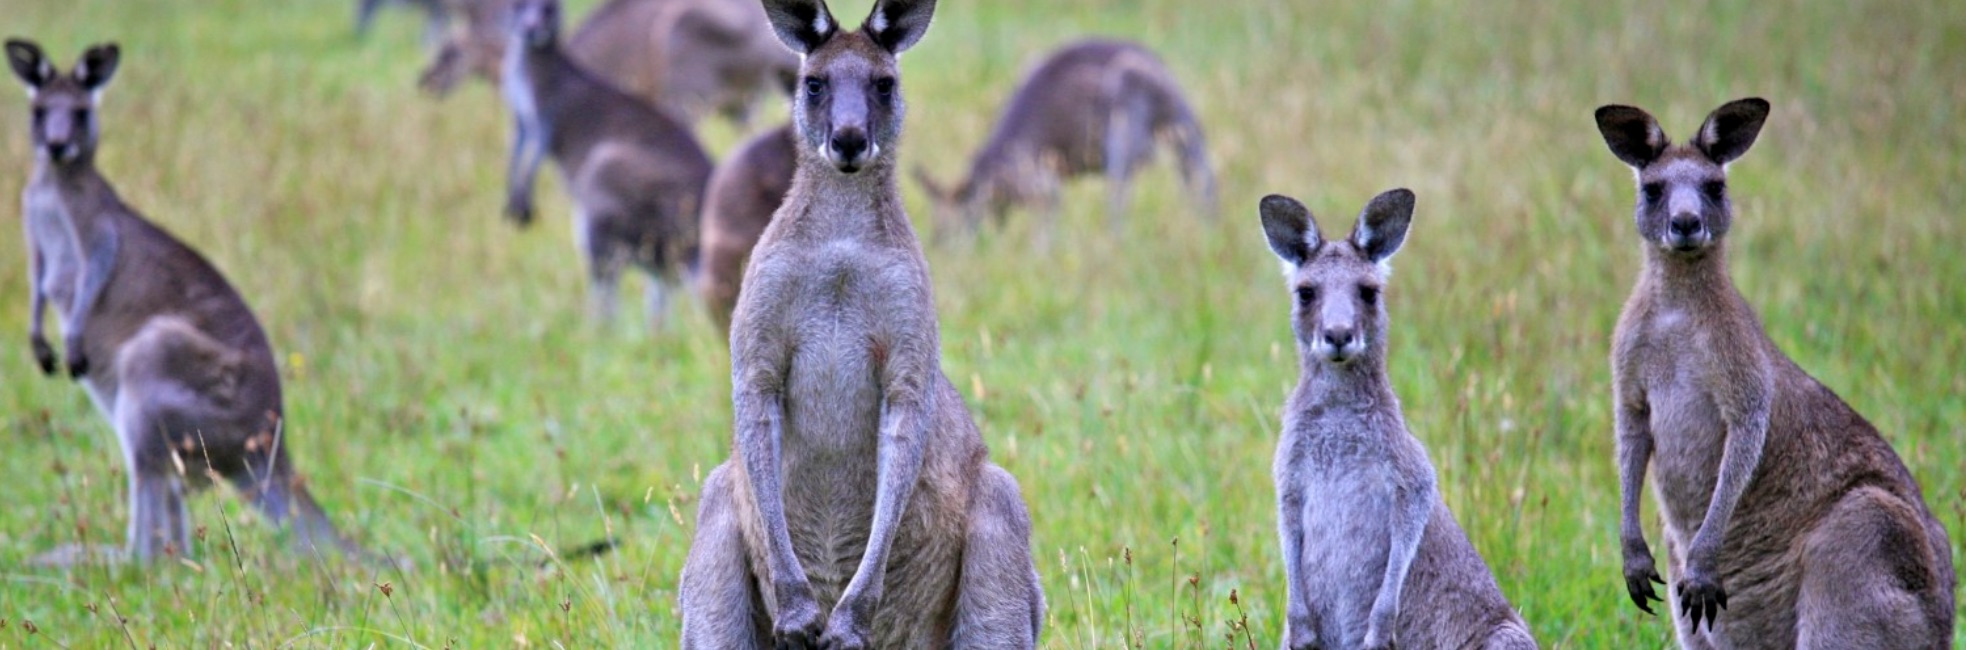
{"points": [[37, 300], [95, 276], [903, 428], [1738, 461], [1414, 508], [1290, 527], [1634, 453], [759, 430]]}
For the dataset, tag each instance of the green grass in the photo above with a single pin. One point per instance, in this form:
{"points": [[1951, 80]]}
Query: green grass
{"points": [[449, 403]]}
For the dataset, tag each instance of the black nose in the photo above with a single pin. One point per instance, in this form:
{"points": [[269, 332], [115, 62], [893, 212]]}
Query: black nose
{"points": [[1339, 337], [850, 143], [1685, 226]]}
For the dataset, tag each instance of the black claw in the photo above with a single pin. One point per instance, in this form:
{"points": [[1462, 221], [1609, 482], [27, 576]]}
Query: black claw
{"points": [[1656, 580], [1722, 597]]}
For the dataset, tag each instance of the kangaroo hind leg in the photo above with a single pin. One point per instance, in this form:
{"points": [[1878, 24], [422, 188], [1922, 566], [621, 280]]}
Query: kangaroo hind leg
{"points": [[718, 595], [1869, 578], [999, 603]]}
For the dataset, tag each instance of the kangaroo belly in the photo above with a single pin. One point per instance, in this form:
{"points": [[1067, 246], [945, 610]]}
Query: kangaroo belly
{"points": [[1346, 540]]}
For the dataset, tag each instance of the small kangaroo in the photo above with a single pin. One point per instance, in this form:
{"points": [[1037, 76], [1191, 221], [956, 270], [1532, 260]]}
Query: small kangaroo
{"points": [[1090, 107], [636, 176], [1371, 554], [1777, 498], [165, 347], [860, 509], [744, 192], [686, 57]]}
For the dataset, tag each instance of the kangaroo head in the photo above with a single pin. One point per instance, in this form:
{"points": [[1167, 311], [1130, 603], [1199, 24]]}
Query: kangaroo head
{"points": [[64, 129], [1338, 316], [535, 24], [847, 107], [1682, 200]]}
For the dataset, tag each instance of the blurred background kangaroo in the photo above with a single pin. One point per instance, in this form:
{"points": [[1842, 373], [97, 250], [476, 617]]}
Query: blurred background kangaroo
{"points": [[165, 347], [744, 192], [636, 175], [687, 57], [1776, 496], [1372, 557], [1092, 107]]}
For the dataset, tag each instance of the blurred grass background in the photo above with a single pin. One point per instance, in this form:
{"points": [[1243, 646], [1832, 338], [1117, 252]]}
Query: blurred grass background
{"points": [[450, 404]]}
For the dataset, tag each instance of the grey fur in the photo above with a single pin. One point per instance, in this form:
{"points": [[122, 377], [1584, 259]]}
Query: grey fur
{"points": [[744, 192], [686, 57], [1789, 521], [1371, 554], [636, 176], [165, 347], [860, 509], [1091, 107]]}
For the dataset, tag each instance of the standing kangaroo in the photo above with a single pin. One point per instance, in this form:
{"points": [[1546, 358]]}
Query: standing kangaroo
{"points": [[1371, 554], [1091, 107], [687, 57], [1781, 505], [163, 345], [860, 509], [744, 192], [636, 176]]}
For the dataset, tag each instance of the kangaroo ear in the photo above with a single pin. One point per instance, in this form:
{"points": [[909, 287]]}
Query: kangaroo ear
{"points": [[1291, 229], [1731, 129], [1382, 225], [29, 64], [98, 64], [802, 25], [1632, 134], [898, 24]]}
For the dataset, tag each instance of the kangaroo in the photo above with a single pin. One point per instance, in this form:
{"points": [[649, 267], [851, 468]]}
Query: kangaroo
{"points": [[1777, 498], [744, 192], [1371, 554], [860, 508], [1091, 107], [636, 176], [686, 57], [163, 345]]}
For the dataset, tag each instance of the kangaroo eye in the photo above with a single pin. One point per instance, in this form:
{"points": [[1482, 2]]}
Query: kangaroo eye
{"points": [[815, 86], [884, 87], [1368, 295], [1715, 190], [1306, 295], [1652, 192]]}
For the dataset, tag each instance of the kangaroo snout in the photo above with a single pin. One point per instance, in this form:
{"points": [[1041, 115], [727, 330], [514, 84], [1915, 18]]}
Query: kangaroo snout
{"points": [[1338, 344], [849, 149], [1685, 232]]}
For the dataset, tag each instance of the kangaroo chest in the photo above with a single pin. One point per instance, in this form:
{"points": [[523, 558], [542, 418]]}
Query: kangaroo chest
{"points": [[51, 233], [1675, 366]]}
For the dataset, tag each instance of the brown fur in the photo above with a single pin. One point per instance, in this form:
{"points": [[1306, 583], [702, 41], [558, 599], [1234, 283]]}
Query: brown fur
{"points": [[686, 57], [744, 192]]}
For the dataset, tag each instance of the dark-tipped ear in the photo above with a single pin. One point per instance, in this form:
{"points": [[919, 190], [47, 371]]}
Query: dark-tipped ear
{"points": [[1291, 229], [29, 64], [97, 66], [1632, 134], [1382, 224], [802, 25], [1731, 129], [898, 24]]}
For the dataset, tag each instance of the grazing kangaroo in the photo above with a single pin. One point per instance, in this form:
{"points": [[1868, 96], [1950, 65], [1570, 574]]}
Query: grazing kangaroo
{"points": [[744, 192], [860, 509], [1371, 554], [1097, 106], [163, 345], [687, 57], [636, 176], [1782, 506]]}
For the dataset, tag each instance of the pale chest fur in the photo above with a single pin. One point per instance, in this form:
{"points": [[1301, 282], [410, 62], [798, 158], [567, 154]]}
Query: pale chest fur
{"points": [[51, 232], [1349, 466]]}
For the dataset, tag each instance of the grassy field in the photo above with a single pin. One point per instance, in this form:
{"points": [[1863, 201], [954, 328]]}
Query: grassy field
{"points": [[450, 403]]}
